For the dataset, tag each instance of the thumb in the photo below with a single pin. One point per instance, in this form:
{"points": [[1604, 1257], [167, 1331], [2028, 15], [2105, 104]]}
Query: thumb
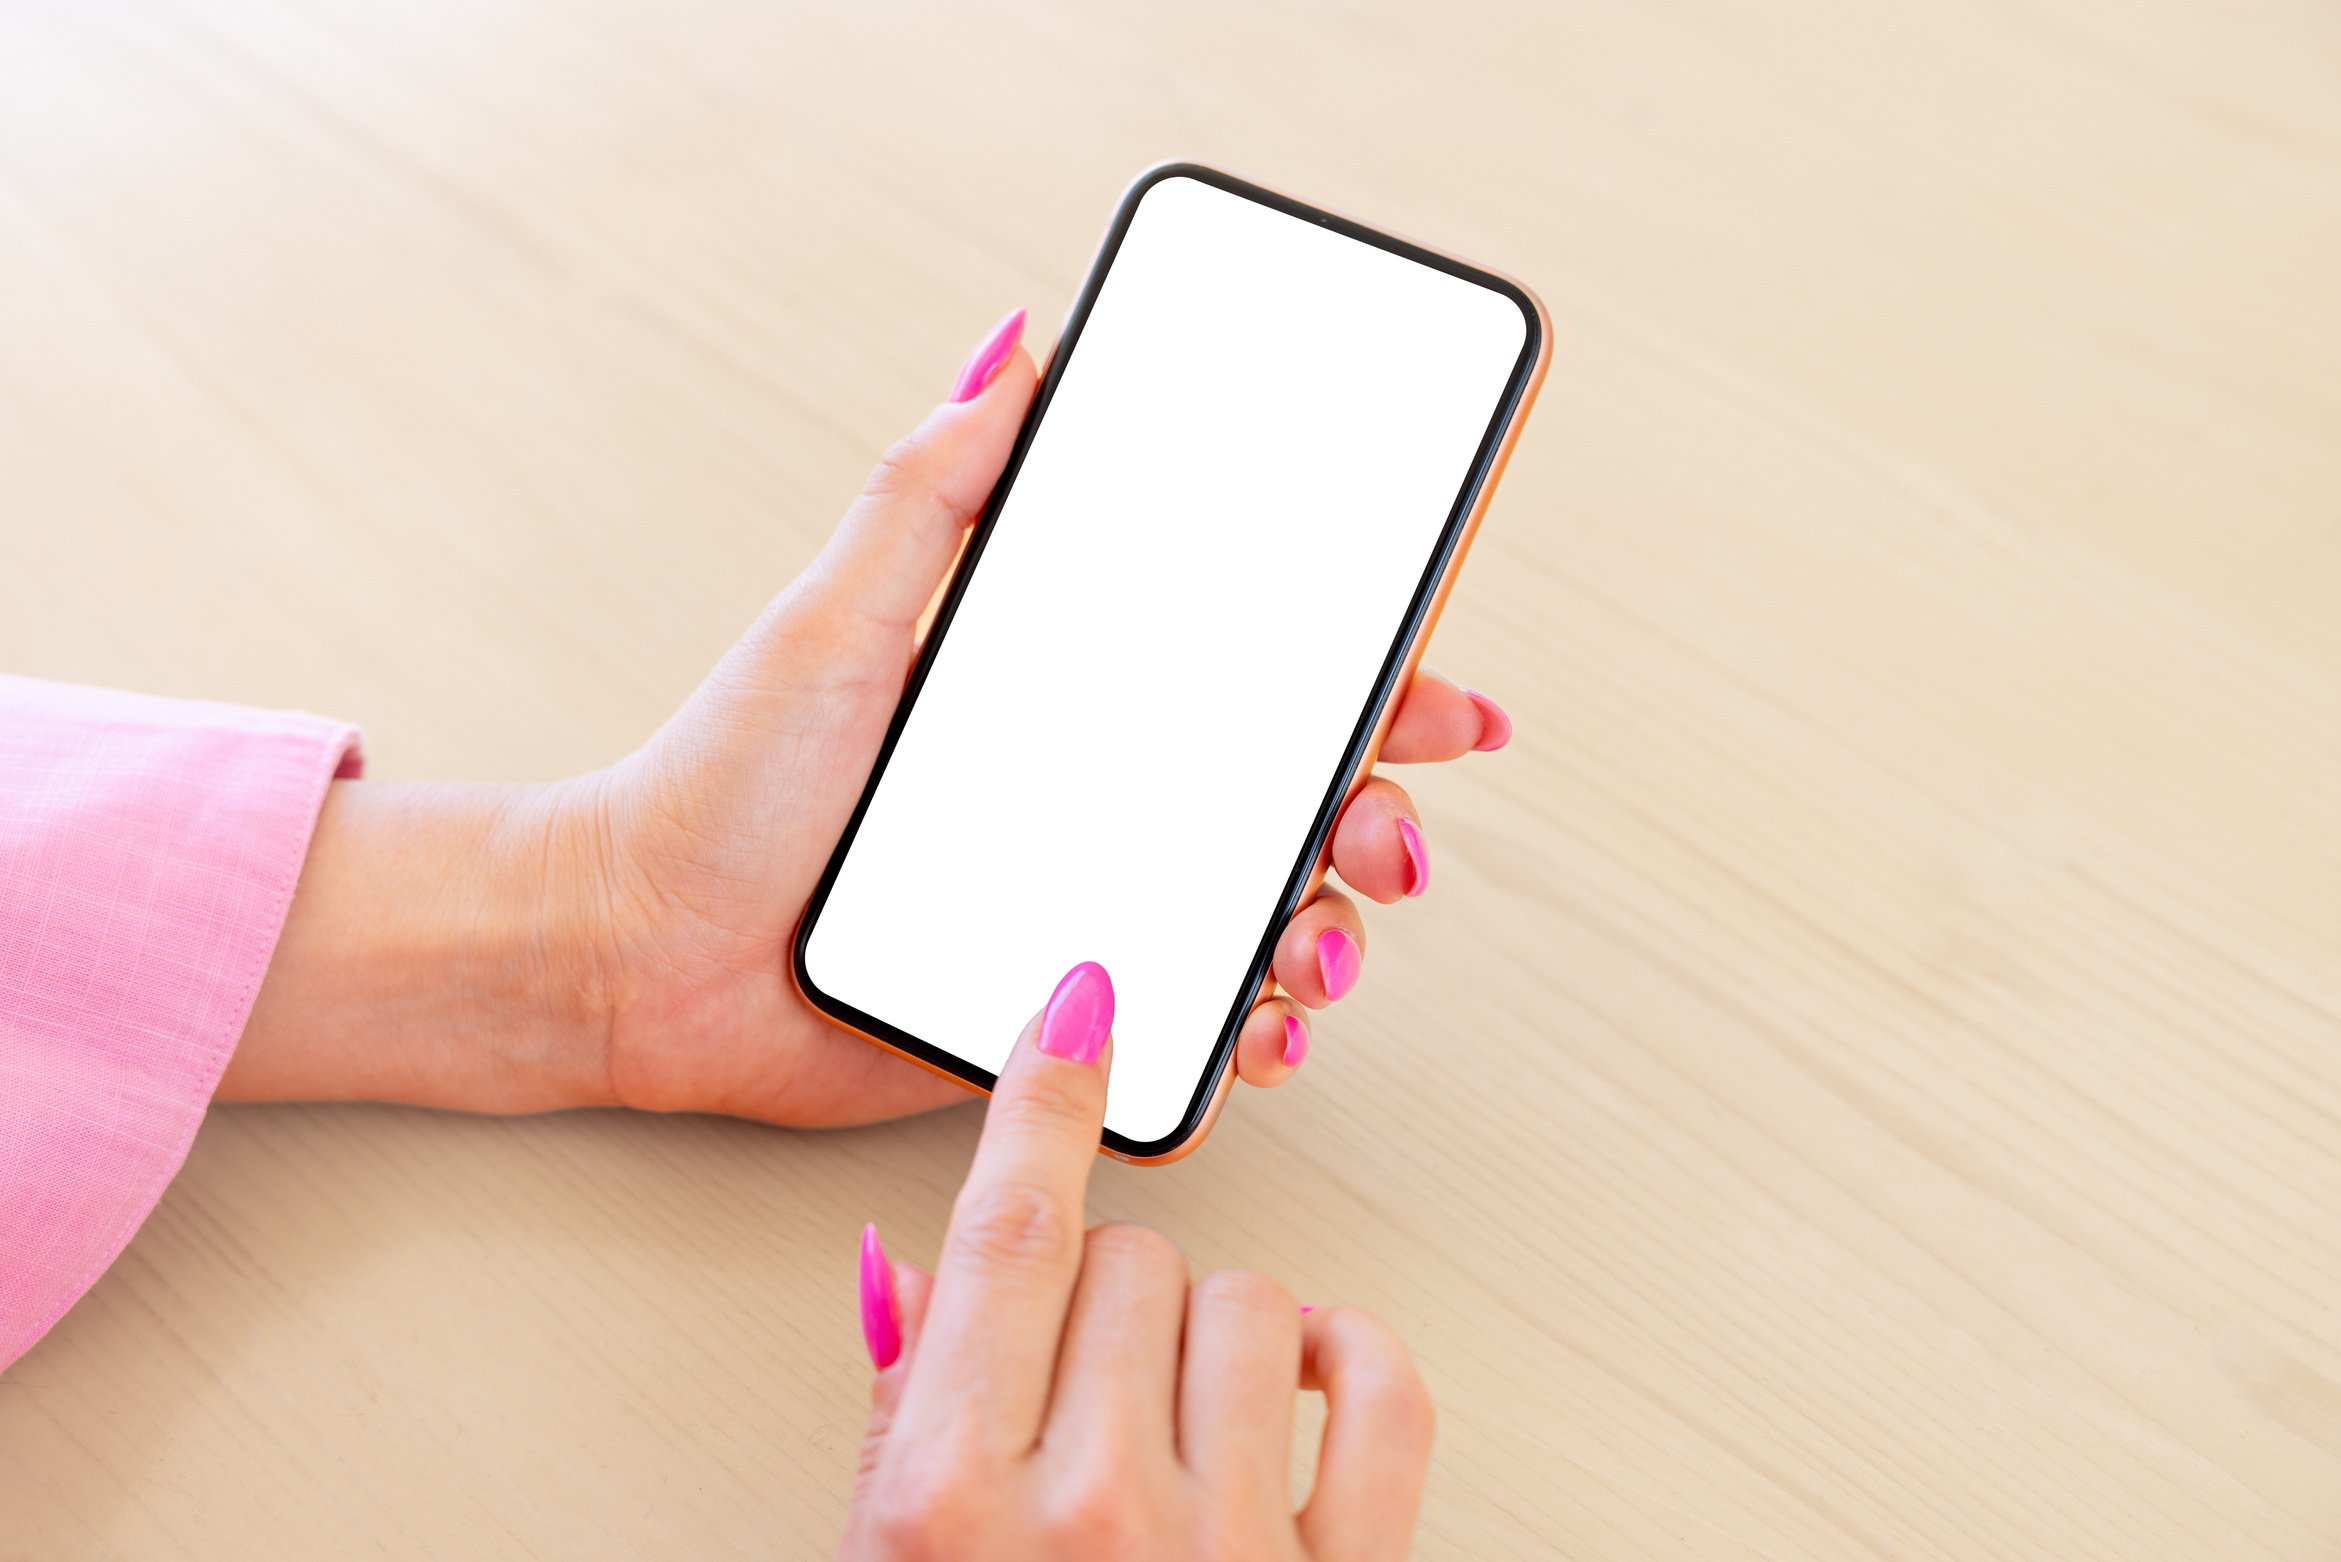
{"points": [[888, 555]]}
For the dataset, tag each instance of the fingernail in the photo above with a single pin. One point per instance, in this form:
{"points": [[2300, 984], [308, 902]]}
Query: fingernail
{"points": [[984, 365], [1296, 1041], [1418, 863], [1495, 728], [1080, 1013], [1337, 961], [1306, 1308], [881, 1314]]}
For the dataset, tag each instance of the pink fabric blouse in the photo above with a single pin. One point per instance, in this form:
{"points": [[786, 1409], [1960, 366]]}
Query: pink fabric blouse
{"points": [[148, 852]]}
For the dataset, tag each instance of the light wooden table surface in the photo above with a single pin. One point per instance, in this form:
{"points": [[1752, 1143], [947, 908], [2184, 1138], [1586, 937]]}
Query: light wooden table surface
{"points": [[1867, 1080]]}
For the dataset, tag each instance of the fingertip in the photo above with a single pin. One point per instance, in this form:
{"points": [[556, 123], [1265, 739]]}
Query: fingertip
{"points": [[912, 1286], [881, 1308], [1303, 978], [1495, 728], [1009, 390], [1371, 850], [1275, 1040], [1436, 721], [1418, 861], [991, 355], [1338, 962], [1079, 1015], [1051, 1091]]}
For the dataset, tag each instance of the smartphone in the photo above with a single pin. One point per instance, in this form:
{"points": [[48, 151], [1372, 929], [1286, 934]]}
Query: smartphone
{"points": [[1167, 658]]}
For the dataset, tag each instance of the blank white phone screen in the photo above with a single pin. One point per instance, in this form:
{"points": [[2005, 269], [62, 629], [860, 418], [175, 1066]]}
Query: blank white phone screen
{"points": [[1181, 613]]}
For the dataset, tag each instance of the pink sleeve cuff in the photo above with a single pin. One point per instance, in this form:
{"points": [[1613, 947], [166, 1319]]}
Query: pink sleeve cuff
{"points": [[148, 852]]}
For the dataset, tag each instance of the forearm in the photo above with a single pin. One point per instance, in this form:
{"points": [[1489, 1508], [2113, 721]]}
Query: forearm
{"points": [[438, 951]]}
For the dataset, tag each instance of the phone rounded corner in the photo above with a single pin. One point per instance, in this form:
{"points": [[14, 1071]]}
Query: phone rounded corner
{"points": [[1157, 1152], [800, 972], [1182, 1141], [1540, 326], [1537, 321], [1167, 169], [1160, 173]]}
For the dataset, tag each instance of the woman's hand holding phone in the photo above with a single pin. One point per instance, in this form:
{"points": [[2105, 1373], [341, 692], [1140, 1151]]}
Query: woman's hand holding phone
{"points": [[720, 829], [1049, 1393], [623, 938]]}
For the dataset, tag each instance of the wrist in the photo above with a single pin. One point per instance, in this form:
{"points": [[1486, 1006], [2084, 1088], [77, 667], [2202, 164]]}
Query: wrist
{"points": [[539, 950], [443, 949]]}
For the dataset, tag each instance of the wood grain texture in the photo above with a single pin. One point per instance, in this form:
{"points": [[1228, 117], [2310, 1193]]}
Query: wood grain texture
{"points": [[1867, 1080]]}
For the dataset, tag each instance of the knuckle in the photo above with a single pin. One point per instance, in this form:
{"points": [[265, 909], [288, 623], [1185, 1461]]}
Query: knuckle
{"points": [[901, 470], [1015, 1225], [1245, 1295], [1094, 1514], [925, 1506], [1140, 1247], [869, 1461], [1384, 1382], [1406, 1409], [1235, 1542]]}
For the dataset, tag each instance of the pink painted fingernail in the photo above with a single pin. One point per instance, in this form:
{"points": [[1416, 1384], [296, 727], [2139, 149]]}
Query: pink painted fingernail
{"points": [[1418, 862], [1337, 961], [881, 1314], [1306, 1308], [1296, 1041], [1495, 728], [984, 364], [1080, 1013]]}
